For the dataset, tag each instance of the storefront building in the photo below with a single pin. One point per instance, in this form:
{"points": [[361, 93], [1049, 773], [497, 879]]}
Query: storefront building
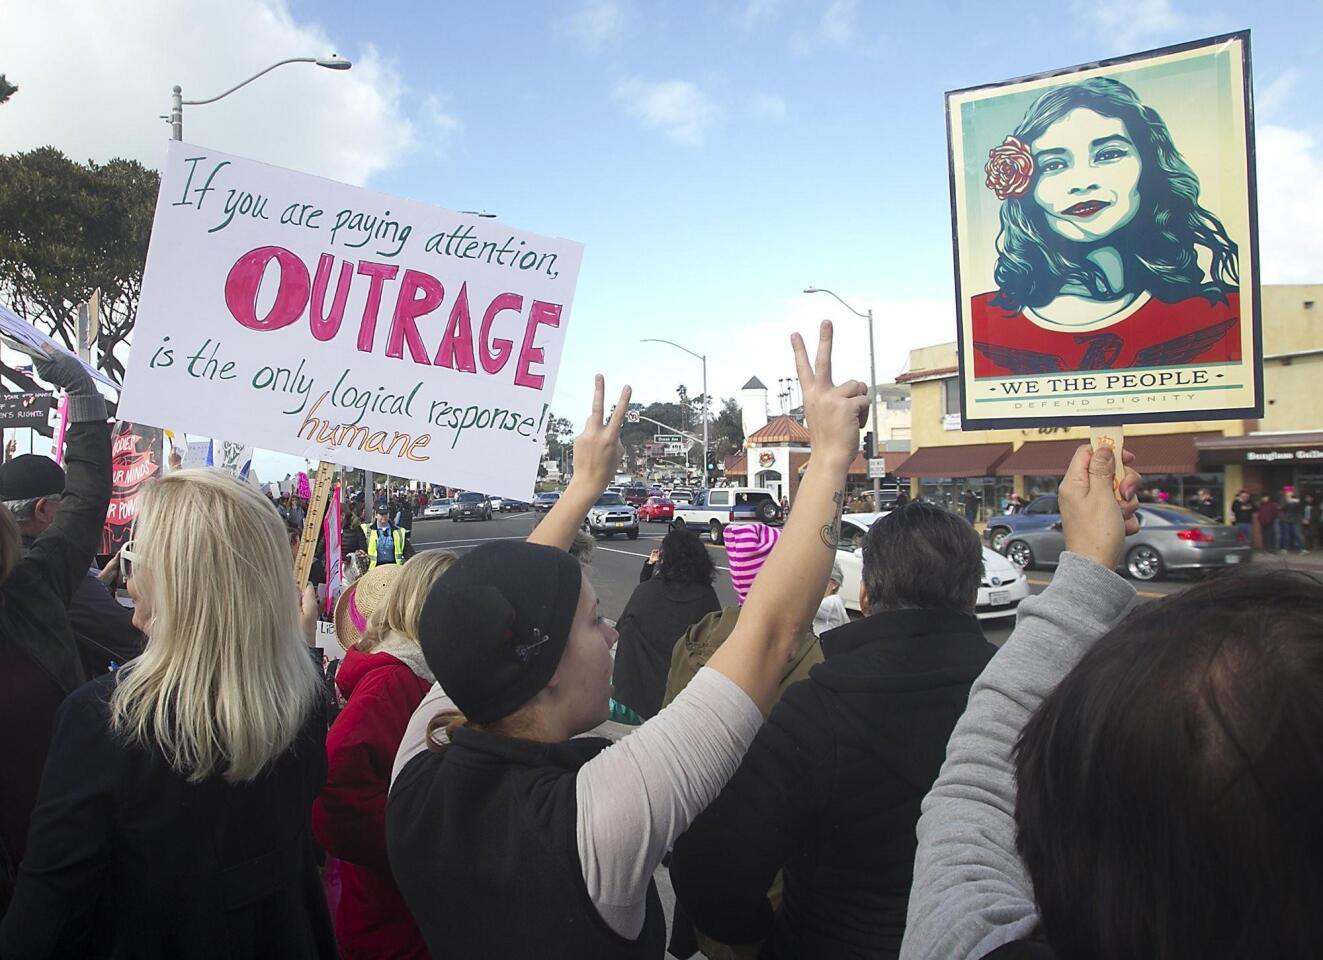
{"points": [[976, 472]]}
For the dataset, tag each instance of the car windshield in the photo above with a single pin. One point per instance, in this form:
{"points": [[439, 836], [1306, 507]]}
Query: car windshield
{"points": [[1180, 516], [610, 500], [471, 498], [547, 496]]}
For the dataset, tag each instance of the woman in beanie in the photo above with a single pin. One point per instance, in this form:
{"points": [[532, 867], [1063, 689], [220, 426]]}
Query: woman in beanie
{"points": [[511, 838], [383, 677], [659, 611]]}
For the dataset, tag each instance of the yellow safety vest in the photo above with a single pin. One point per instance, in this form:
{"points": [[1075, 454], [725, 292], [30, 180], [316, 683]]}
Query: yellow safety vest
{"points": [[370, 532]]}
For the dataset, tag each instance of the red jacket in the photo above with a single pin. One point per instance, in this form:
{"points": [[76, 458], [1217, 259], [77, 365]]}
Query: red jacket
{"points": [[349, 816]]}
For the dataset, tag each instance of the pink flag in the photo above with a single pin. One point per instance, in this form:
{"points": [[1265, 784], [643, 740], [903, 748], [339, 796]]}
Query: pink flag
{"points": [[334, 568], [62, 414]]}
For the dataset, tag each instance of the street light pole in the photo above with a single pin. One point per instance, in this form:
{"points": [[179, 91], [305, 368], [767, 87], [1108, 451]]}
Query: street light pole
{"points": [[177, 101], [706, 399], [872, 387]]}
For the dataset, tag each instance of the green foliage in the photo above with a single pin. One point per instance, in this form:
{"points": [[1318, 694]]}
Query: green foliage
{"points": [[7, 89], [560, 436], [67, 228]]}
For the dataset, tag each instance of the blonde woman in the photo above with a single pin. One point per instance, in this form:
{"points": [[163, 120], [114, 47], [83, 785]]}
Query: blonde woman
{"points": [[383, 677], [172, 818]]}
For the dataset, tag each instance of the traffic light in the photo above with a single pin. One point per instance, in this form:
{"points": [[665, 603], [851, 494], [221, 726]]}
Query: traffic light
{"points": [[868, 444], [711, 461]]}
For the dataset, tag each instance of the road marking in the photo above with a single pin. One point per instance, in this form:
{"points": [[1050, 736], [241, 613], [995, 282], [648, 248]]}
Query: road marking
{"points": [[631, 553]]}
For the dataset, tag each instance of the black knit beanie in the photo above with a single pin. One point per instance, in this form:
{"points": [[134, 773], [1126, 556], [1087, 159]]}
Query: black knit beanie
{"points": [[495, 625]]}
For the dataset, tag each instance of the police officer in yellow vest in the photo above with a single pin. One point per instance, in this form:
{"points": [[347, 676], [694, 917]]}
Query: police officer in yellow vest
{"points": [[386, 543]]}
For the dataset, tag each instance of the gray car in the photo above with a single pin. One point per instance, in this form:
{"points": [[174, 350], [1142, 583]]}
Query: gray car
{"points": [[1169, 539]]}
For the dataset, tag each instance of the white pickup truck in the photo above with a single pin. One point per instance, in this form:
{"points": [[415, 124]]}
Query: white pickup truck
{"points": [[712, 510]]}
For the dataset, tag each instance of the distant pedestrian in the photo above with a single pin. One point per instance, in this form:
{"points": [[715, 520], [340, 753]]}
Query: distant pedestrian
{"points": [[1242, 514], [384, 541], [1204, 503], [1290, 521], [969, 501], [1267, 519], [831, 612]]}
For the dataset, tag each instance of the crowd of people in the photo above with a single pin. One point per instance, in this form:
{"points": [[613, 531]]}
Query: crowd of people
{"points": [[1118, 780]]}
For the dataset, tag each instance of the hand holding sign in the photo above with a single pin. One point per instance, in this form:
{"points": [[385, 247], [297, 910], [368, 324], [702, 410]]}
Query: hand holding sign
{"points": [[1097, 515]]}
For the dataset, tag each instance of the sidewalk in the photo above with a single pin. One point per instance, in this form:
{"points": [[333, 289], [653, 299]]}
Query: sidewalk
{"points": [[1311, 562]]}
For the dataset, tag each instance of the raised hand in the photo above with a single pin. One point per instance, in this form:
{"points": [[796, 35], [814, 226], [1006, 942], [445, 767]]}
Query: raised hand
{"points": [[835, 414], [1096, 514], [598, 450]]}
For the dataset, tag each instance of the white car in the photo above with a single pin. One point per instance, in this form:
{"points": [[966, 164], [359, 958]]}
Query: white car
{"points": [[437, 508], [1004, 584]]}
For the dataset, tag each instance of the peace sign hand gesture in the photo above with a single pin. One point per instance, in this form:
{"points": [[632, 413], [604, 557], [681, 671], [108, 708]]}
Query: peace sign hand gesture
{"points": [[835, 414]]}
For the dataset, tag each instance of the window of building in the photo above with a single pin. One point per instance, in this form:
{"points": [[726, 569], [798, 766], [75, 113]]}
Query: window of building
{"points": [[950, 396]]}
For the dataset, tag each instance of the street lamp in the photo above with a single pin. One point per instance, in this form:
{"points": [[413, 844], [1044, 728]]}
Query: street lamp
{"points": [[706, 399], [872, 387], [177, 101]]}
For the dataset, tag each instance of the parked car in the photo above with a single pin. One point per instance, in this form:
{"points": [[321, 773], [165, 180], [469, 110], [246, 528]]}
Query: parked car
{"points": [[635, 495], [438, 508], [656, 508], [611, 515], [999, 594], [512, 506], [545, 501], [713, 510], [1169, 539], [497, 503], [471, 506], [682, 495], [1040, 513]]}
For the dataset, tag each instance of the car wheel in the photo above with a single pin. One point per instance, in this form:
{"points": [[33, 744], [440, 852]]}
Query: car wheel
{"points": [[1144, 563], [998, 538], [714, 532], [677, 523], [633, 534], [766, 511], [1020, 554]]}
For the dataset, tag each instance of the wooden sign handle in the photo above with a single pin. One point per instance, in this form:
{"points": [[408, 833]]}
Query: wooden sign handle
{"points": [[1113, 437], [312, 523]]}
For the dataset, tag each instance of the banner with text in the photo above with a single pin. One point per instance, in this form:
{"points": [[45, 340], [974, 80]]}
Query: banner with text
{"points": [[334, 323]]}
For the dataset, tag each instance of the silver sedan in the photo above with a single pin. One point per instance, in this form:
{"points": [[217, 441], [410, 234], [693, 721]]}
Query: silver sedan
{"points": [[1169, 539]]}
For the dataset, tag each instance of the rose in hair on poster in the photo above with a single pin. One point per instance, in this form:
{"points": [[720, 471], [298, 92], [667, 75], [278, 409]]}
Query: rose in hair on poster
{"points": [[333, 323], [1105, 241]]}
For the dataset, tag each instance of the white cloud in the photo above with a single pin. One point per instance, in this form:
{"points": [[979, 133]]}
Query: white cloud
{"points": [[678, 108], [1129, 23], [1274, 95], [596, 25], [441, 125], [769, 106], [836, 27], [94, 78], [753, 13], [1290, 177]]}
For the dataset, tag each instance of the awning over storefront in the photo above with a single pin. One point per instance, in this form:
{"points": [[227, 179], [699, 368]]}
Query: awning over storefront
{"points": [[971, 460], [1262, 448], [1163, 454]]}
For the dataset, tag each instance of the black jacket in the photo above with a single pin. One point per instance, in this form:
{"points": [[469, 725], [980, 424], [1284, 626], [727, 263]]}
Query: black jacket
{"points": [[126, 859], [657, 614], [39, 660], [483, 843], [830, 792], [102, 627]]}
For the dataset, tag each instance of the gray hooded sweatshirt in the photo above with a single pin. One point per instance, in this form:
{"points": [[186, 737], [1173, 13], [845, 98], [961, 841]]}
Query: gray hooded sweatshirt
{"points": [[971, 893]]}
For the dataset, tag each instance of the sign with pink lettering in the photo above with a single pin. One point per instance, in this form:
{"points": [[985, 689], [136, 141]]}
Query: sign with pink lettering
{"points": [[333, 323]]}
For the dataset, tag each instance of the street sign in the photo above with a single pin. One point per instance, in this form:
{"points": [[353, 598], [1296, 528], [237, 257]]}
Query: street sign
{"points": [[877, 468], [666, 438], [673, 449], [631, 416]]}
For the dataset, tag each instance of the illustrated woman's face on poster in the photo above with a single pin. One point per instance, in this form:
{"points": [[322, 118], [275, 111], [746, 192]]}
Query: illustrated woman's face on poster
{"points": [[1088, 175]]}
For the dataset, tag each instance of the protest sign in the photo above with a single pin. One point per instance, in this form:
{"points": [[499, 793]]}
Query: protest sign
{"points": [[1105, 240], [334, 550], [24, 336], [24, 409], [334, 323], [135, 459], [198, 455]]}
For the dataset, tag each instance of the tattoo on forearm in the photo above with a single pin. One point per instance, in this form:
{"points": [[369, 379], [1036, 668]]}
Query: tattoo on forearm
{"points": [[831, 532]]}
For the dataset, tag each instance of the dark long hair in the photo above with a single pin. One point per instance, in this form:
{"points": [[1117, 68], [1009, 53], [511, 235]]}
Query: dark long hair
{"points": [[684, 559], [1167, 789], [1159, 244]]}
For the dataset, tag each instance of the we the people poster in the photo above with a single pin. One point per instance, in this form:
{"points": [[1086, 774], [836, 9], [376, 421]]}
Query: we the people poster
{"points": [[325, 321], [1105, 241]]}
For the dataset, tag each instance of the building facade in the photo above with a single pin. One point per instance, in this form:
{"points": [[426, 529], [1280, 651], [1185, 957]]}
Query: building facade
{"points": [[976, 471]]}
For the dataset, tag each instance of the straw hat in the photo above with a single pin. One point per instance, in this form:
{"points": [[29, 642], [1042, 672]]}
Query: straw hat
{"points": [[363, 598]]}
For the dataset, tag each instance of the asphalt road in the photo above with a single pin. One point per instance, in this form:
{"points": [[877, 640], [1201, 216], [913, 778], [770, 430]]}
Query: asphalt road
{"points": [[616, 561]]}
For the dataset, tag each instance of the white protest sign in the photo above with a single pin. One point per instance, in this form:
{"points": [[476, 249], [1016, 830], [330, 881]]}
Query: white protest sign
{"points": [[333, 323], [25, 334]]}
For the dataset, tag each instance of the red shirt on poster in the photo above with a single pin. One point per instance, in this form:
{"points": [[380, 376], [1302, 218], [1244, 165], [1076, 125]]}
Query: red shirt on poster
{"points": [[1155, 334]]}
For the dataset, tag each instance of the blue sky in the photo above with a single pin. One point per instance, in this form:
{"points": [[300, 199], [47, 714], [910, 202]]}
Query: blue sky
{"points": [[714, 158]]}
